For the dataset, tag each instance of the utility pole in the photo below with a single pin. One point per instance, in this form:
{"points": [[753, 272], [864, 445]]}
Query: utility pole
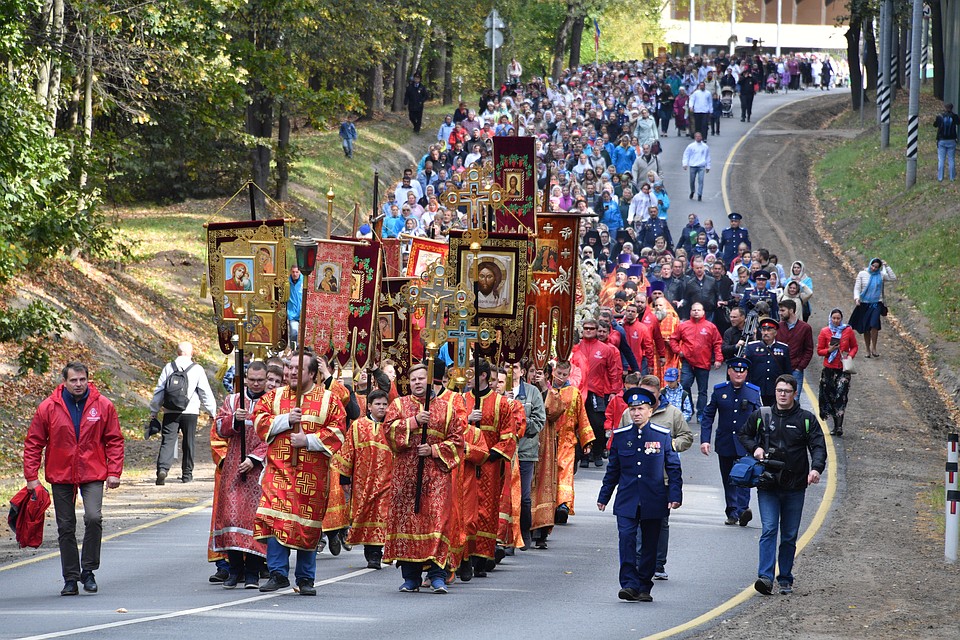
{"points": [[779, 21], [693, 11], [913, 110], [886, 80]]}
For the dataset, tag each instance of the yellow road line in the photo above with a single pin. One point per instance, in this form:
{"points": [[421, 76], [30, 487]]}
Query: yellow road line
{"points": [[831, 471], [140, 527]]}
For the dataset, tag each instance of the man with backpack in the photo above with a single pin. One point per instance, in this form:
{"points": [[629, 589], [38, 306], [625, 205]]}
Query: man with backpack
{"points": [[181, 391], [947, 135], [791, 444]]}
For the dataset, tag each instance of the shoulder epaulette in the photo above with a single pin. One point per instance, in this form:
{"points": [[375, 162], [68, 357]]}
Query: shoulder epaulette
{"points": [[657, 427], [626, 428], [720, 384], [750, 385]]}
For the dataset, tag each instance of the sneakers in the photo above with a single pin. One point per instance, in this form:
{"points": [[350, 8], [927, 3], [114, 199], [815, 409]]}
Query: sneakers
{"points": [[219, 576], [745, 517], [661, 575], [764, 585], [409, 586], [786, 588], [630, 595], [232, 581], [69, 588], [89, 583], [251, 582], [644, 597], [306, 588], [343, 539], [541, 543], [322, 544], [438, 585], [730, 520], [276, 582], [161, 477]]}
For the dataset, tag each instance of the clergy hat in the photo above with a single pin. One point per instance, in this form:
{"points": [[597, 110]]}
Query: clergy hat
{"points": [[768, 323], [733, 215], [624, 258], [738, 363], [637, 396], [634, 271]]}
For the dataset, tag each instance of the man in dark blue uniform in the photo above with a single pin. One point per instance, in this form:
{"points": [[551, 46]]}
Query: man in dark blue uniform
{"points": [[732, 236], [734, 401], [768, 360], [760, 293], [646, 469]]}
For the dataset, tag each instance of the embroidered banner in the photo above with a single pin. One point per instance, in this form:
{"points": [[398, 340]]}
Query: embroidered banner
{"points": [[514, 169], [552, 302], [326, 322], [392, 259], [394, 329], [247, 266], [364, 292], [423, 253]]}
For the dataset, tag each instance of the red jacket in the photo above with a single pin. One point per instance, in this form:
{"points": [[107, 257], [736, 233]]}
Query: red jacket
{"points": [[640, 339], [698, 342], [27, 511], [848, 345], [800, 341], [604, 370], [98, 454]]}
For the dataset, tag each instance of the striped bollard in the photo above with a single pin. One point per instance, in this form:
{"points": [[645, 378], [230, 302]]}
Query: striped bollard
{"points": [[953, 526], [953, 447]]}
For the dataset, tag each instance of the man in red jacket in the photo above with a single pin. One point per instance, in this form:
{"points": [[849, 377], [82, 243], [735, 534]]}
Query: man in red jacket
{"points": [[80, 431], [697, 342], [603, 374]]}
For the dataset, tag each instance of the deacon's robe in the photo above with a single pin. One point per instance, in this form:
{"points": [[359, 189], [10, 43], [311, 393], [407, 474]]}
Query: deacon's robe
{"points": [[218, 449], [660, 340], [236, 498], [294, 498], [498, 427], [366, 459], [668, 327], [337, 515], [423, 536], [466, 507], [511, 494]]}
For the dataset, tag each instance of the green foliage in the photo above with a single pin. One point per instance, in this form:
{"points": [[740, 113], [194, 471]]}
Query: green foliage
{"points": [[32, 328], [624, 29]]}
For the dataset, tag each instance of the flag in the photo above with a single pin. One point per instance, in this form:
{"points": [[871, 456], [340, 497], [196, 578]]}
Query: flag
{"points": [[327, 318], [596, 36], [364, 283], [514, 169]]}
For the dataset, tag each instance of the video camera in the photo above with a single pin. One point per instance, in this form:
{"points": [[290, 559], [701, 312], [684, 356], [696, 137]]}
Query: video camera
{"points": [[772, 466]]}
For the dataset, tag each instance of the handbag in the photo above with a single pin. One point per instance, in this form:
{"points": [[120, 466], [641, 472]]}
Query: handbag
{"points": [[883, 307], [848, 364], [747, 471]]}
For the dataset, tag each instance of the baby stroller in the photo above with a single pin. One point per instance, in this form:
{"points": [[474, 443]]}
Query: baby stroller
{"points": [[726, 101], [773, 81]]}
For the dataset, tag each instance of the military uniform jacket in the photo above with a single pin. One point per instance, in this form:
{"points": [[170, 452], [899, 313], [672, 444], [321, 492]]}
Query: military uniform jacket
{"points": [[733, 406], [730, 239], [645, 470], [766, 363]]}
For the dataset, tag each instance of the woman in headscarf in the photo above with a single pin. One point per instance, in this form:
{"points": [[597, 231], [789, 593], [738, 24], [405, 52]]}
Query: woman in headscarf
{"points": [[680, 112], [835, 342], [798, 273], [868, 296]]}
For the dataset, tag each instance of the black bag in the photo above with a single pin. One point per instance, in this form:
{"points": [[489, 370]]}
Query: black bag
{"points": [[883, 309], [176, 390], [748, 471], [599, 403]]}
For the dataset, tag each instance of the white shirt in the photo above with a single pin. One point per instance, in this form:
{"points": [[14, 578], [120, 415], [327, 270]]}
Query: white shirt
{"points": [[200, 391], [701, 101], [697, 154]]}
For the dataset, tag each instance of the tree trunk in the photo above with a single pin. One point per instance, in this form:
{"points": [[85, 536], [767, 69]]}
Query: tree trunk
{"points": [[399, 78], [576, 39], [438, 66], [87, 99], [53, 96], [852, 36], [448, 76], [283, 153], [562, 39], [260, 125], [421, 41], [902, 52], [936, 38], [46, 65], [373, 97], [871, 61]]}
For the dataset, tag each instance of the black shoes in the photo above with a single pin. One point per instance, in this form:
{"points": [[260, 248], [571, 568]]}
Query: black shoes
{"points": [[630, 595], [276, 582], [69, 588], [764, 586], [585, 463], [306, 587], [465, 571], [645, 597], [232, 581], [730, 520], [333, 543], [219, 576], [161, 477], [691, 195], [499, 554], [561, 515], [89, 583], [745, 517], [699, 198]]}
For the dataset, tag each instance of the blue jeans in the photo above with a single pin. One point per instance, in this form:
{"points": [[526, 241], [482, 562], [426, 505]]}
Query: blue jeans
{"points": [[278, 560], [690, 374], [347, 146], [798, 374], [696, 179], [779, 509], [413, 571], [526, 485], [294, 333], [946, 150]]}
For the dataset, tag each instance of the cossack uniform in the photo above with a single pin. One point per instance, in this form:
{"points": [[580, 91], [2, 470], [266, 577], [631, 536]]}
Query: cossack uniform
{"points": [[767, 362], [731, 238]]}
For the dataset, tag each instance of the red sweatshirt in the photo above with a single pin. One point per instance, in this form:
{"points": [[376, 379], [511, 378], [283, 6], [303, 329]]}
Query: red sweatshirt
{"points": [[604, 371], [698, 342]]}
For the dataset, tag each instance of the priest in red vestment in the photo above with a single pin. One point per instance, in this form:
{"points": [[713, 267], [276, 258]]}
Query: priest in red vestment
{"points": [[294, 498]]}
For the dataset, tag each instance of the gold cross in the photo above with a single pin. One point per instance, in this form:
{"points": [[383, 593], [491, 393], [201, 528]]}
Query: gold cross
{"points": [[475, 196]]}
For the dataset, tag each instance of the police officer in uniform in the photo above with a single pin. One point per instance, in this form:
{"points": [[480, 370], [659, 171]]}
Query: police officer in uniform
{"points": [[768, 360], [732, 236], [646, 469], [760, 293], [733, 401]]}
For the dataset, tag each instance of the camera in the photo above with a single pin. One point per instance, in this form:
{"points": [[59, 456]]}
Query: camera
{"points": [[772, 467]]}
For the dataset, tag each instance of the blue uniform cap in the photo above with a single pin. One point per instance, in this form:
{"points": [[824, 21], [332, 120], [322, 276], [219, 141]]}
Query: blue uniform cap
{"points": [[637, 396], [762, 274], [735, 363], [734, 216]]}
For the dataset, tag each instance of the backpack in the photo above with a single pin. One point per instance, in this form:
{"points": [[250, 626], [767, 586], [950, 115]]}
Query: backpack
{"points": [[176, 390], [948, 127]]}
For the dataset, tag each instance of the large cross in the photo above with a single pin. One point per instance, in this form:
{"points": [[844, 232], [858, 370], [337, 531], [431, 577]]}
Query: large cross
{"points": [[474, 196], [436, 295], [463, 336]]}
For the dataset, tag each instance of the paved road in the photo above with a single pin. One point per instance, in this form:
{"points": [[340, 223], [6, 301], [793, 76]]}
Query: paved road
{"points": [[154, 581]]}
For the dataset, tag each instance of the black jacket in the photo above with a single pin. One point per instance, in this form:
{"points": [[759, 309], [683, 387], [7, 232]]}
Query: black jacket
{"points": [[791, 434], [703, 291], [415, 96]]}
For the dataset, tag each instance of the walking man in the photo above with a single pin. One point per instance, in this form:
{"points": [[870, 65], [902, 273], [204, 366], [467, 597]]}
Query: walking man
{"points": [[947, 136], [181, 391], [697, 342], [769, 359], [798, 336], [696, 159], [701, 103], [414, 98], [78, 430], [790, 434]]}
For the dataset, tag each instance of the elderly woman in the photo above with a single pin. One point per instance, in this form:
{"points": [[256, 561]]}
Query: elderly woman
{"points": [[680, 112], [646, 129], [835, 342], [868, 296]]}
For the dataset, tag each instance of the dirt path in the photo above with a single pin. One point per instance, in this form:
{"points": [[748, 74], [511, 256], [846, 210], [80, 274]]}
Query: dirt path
{"points": [[876, 569]]}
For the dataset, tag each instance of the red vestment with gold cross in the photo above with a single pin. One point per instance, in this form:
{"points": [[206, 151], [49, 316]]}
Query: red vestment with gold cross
{"points": [[366, 459], [499, 430], [337, 515], [294, 499], [424, 536]]}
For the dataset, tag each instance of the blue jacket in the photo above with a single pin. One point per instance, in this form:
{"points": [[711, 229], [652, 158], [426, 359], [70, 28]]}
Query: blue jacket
{"points": [[296, 297], [641, 459], [393, 226], [623, 159], [733, 406]]}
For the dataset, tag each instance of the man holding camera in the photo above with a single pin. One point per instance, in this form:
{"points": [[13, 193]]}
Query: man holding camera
{"points": [[782, 442]]}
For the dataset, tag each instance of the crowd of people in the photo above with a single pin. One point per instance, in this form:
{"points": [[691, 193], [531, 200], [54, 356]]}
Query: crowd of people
{"points": [[451, 481]]}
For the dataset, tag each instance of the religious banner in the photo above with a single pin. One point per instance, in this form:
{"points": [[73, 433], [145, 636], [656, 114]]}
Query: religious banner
{"points": [[514, 169], [553, 300], [423, 253], [502, 281], [247, 269], [364, 281], [392, 258], [394, 331], [327, 316]]}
